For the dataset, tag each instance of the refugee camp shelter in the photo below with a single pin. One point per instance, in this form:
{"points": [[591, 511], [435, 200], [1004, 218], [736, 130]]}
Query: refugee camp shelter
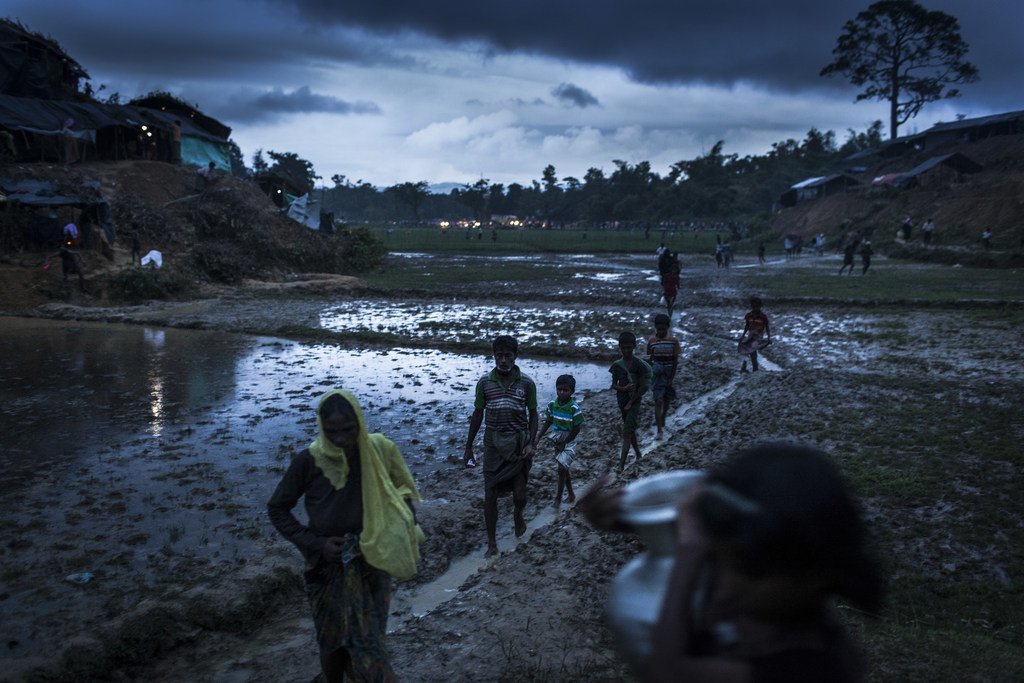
{"points": [[970, 130], [80, 130], [281, 189], [941, 170], [33, 213], [32, 65], [945, 134], [203, 138], [814, 188]]}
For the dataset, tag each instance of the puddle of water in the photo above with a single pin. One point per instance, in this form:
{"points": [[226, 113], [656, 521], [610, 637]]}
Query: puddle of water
{"points": [[592, 329], [142, 452]]}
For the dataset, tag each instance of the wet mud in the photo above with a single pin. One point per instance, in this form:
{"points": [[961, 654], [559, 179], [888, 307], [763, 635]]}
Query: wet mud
{"points": [[144, 453]]}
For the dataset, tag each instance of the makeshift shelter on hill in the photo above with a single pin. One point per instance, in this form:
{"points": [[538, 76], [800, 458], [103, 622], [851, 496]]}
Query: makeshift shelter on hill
{"points": [[45, 206], [813, 188], [32, 65], [281, 190], [68, 131], [970, 130], [203, 138], [940, 170], [945, 135]]}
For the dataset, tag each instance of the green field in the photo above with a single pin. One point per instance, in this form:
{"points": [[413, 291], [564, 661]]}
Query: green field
{"points": [[509, 241]]}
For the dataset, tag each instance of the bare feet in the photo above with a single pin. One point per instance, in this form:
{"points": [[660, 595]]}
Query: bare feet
{"points": [[520, 526], [492, 550], [571, 498]]}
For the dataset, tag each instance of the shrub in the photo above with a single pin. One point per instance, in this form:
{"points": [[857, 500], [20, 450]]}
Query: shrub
{"points": [[137, 284]]}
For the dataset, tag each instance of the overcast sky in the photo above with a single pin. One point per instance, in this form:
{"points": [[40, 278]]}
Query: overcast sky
{"points": [[452, 91]]}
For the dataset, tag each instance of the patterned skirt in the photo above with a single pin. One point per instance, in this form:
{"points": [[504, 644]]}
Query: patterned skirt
{"points": [[350, 609]]}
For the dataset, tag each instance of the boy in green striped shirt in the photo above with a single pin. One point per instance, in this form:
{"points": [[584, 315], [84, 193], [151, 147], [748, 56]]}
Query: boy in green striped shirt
{"points": [[564, 418]]}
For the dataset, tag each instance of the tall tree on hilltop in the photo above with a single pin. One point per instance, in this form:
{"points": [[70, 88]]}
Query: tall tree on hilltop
{"points": [[905, 55]]}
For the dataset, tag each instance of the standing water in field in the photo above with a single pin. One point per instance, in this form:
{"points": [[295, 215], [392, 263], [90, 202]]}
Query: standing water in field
{"points": [[138, 454]]}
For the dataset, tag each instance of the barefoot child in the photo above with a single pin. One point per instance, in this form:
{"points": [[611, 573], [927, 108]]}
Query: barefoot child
{"points": [[631, 377], [757, 334], [565, 418], [663, 354], [362, 531]]}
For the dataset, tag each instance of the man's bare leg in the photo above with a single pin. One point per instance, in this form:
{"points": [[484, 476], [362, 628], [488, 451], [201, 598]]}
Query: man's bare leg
{"points": [[519, 502], [491, 521]]}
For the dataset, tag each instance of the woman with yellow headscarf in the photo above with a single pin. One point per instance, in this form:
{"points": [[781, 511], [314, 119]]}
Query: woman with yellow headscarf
{"points": [[362, 531]]}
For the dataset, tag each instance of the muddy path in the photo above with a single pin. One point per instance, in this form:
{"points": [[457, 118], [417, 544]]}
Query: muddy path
{"points": [[833, 378]]}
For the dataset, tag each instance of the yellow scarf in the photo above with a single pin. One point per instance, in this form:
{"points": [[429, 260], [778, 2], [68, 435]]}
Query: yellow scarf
{"points": [[390, 538]]}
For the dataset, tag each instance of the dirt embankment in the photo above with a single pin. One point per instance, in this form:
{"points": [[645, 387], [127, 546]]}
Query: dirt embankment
{"points": [[961, 206], [213, 233]]}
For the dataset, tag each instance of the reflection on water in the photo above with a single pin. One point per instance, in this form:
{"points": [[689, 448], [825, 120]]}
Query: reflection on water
{"points": [[138, 453], [71, 389]]}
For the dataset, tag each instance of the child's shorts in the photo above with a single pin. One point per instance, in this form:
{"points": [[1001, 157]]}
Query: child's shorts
{"points": [[568, 454]]}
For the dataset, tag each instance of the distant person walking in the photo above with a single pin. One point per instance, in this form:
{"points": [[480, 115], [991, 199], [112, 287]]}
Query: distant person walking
{"points": [[670, 281], [908, 227], [986, 239], [760, 253], [848, 253], [927, 229], [865, 256], [757, 334]]}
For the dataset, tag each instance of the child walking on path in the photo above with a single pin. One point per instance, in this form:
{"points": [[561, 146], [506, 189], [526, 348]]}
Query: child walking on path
{"points": [[362, 531], [631, 377], [663, 354], [564, 418], [757, 334]]}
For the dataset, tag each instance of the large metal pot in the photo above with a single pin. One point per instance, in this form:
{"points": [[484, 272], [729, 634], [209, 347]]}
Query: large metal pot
{"points": [[649, 506]]}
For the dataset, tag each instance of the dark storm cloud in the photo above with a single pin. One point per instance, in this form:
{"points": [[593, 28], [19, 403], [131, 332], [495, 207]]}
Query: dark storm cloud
{"points": [[271, 105], [195, 40], [574, 96], [781, 45]]}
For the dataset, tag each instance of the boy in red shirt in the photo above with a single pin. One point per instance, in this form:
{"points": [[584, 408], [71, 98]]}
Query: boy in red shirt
{"points": [[757, 334]]}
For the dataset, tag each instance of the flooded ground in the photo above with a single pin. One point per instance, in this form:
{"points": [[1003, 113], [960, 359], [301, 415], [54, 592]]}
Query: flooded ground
{"points": [[144, 453], [132, 451]]}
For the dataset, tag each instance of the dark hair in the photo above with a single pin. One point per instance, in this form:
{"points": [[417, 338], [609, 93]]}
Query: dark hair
{"points": [[505, 341], [662, 319], [566, 381], [627, 337], [755, 302], [786, 509], [336, 404]]}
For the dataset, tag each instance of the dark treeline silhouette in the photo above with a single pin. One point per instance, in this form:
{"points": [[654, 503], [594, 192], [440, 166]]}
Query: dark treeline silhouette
{"points": [[712, 187]]}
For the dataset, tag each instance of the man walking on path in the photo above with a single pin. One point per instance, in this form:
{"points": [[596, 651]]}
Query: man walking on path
{"points": [[508, 400]]}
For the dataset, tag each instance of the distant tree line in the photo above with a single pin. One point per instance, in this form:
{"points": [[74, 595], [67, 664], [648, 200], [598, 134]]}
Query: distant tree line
{"points": [[714, 186]]}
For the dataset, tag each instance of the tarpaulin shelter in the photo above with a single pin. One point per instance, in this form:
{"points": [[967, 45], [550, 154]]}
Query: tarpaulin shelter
{"points": [[306, 211], [813, 188], [107, 131], [43, 199], [942, 169], [203, 138]]}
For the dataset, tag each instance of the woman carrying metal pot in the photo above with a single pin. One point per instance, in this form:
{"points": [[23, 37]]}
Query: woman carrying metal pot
{"points": [[765, 541]]}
